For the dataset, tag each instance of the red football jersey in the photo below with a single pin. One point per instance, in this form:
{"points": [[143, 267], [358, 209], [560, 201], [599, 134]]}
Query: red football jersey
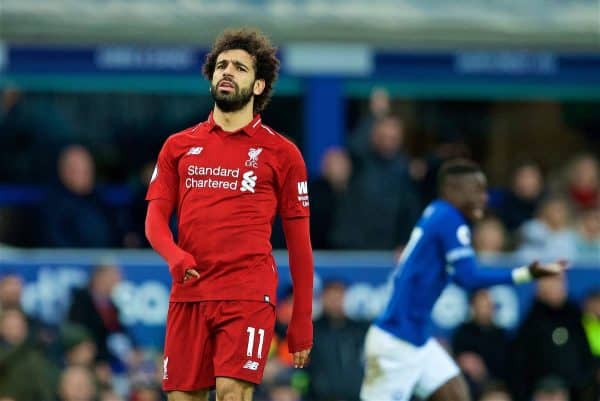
{"points": [[228, 186]]}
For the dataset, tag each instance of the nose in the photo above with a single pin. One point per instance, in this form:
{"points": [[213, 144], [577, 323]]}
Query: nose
{"points": [[228, 71]]}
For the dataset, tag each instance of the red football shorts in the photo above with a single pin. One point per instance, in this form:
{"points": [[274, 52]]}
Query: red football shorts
{"points": [[208, 339]]}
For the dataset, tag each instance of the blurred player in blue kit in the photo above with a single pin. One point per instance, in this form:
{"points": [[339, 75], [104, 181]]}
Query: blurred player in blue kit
{"points": [[402, 359]]}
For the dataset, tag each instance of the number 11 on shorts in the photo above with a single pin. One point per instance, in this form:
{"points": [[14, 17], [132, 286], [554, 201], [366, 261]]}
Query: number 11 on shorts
{"points": [[261, 337]]}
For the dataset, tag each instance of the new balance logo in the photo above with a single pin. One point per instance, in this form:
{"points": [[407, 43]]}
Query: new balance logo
{"points": [[248, 181], [196, 150], [251, 365], [302, 188]]}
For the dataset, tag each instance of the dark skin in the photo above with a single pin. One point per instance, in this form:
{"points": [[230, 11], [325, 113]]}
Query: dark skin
{"points": [[468, 193]]}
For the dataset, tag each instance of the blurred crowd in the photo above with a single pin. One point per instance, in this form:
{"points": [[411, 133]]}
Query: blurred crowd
{"points": [[87, 356], [554, 354], [62, 186], [368, 195], [372, 191]]}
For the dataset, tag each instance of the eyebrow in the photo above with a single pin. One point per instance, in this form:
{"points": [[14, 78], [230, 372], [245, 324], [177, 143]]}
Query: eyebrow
{"points": [[235, 62]]}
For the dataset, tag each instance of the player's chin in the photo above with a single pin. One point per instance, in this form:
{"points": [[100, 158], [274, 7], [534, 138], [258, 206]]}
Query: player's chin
{"points": [[477, 214]]}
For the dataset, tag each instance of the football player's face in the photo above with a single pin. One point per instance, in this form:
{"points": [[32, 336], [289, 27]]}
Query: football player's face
{"points": [[233, 82], [474, 191]]}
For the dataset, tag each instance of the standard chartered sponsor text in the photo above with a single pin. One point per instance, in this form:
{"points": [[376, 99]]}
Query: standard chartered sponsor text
{"points": [[213, 171], [202, 177]]}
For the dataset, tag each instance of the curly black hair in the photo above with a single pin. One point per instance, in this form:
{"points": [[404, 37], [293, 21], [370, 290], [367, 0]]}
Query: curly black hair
{"points": [[456, 167], [266, 63]]}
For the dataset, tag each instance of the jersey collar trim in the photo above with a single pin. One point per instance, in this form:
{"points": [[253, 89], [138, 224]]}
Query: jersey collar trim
{"points": [[250, 129]]}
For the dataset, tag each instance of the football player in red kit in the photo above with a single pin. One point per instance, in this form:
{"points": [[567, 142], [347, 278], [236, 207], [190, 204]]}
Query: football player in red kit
{"points": [[227, 178]]}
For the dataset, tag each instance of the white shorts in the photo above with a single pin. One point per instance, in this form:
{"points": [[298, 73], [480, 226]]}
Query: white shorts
{"points": [[396, 370]]}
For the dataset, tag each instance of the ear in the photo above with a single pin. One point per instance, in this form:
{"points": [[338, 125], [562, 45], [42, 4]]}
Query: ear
{"points": [[259, 87]]}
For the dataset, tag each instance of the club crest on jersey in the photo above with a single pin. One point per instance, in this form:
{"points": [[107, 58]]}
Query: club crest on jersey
{"points": [[253, 157]]}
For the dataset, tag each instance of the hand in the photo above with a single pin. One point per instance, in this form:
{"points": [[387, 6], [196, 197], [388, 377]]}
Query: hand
{"points": [[191, 273], [538, 270], [473, 365], [300, 338], [180, 266], [301, 358]]}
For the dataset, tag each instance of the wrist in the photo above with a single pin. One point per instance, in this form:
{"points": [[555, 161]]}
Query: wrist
{"points": [[300, 335], [299, 346], [180, 262], [521, 275], [181, 258]]}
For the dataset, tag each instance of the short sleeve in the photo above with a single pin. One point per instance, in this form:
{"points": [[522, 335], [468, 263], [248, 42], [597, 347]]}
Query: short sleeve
{"points": [[456, 240], [293, 188], [164, 181]]}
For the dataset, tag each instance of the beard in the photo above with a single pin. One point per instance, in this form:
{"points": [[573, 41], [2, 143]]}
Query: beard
{"points": [[233, 101]]}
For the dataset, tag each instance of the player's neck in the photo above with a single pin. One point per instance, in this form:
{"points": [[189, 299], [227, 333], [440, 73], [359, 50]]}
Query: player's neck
{"points": [[233, 121]]}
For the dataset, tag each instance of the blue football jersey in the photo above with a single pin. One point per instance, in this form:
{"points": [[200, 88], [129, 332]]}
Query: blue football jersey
{"points": [[439, 250]]}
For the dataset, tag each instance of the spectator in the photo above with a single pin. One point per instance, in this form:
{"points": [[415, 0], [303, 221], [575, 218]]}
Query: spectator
{"points": [[551, 388], [587, 236], [134, 236], [282, 390], [11, 288], [480, 346], [591, 325], [548, 235], [103, 376], [93, 308], [74, 215], [583, 182], [20, 362], [41, 335], [281, 383], [495, 391], [380, 207], [489, 237], [79, 346], [77, 384], [386, 140], [551, 341], [30, 136], [379, 108], [146, 393], [326, 193], [495, 396], [109, 395], [144, 374], [522, 200], [591, 322], [283, 316], [337, 350]]}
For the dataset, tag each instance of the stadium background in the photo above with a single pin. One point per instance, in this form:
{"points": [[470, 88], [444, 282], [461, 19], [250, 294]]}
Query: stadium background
{"points": [[376, 95]]}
